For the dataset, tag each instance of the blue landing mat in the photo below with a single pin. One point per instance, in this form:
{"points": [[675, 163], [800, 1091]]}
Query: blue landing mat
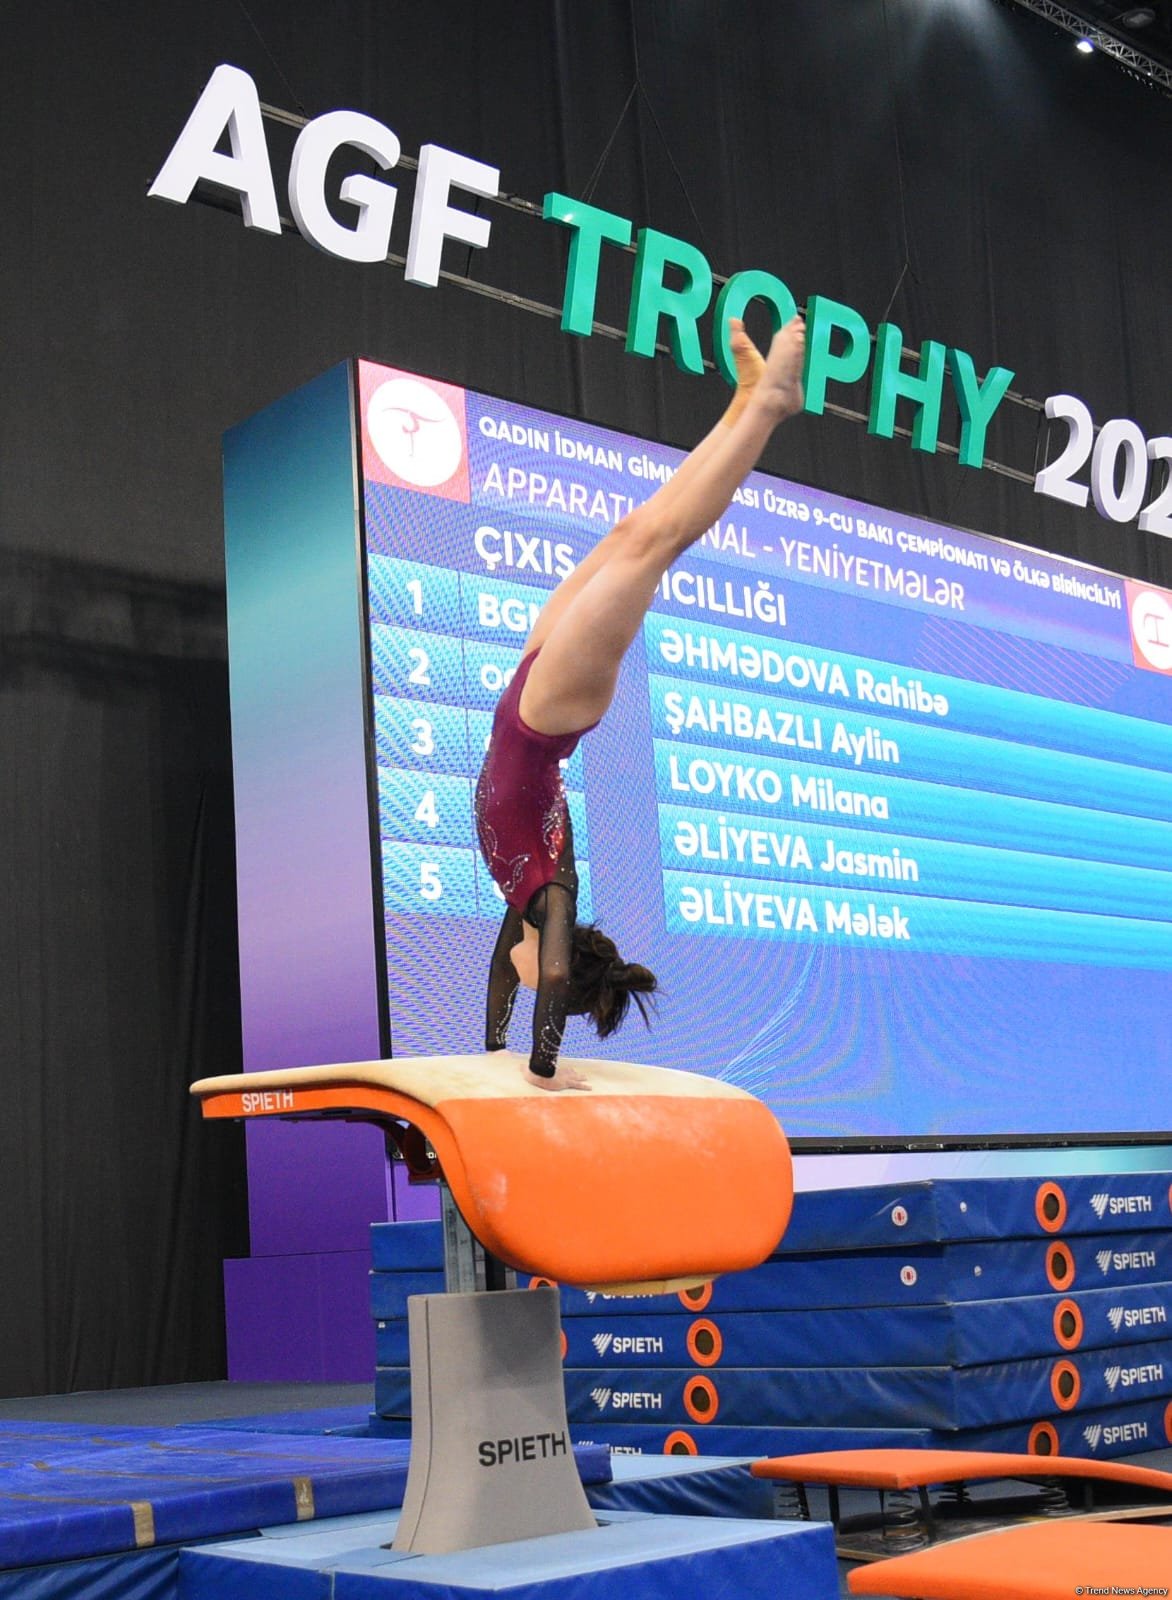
{"points": [[969, 1334], [338, 1421], [637, 1556], [847, 1397], [686, 1486], [1104, 1433], [69, 1491], [924, 1211], [923, 1274]]}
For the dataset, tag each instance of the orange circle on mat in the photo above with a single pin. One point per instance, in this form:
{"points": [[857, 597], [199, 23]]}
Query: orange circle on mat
{"points": [[1168, 1422], [705, 1345], [680, 1443], [1068, 1324], [542, 1283], [701, 1400], [696, 1299], [1059, 1266], [1050, 1206], [1065, 1385], [1043, 1439], [565, 1343]]}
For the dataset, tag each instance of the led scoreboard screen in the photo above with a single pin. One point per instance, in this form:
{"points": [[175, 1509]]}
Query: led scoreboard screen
{"points": [[887, 806]]}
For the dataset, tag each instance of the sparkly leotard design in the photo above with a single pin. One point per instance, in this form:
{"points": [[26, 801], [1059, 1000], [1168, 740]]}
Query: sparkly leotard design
{"points": [[522, 821]]}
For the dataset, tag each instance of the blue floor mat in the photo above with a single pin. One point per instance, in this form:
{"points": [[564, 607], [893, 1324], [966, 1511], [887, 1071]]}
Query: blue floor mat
{"points": [[72, 1490], [325, 1419]]}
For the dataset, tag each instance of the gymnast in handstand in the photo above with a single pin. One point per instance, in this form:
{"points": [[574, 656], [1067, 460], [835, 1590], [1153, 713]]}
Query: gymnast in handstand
{"points": [[561, 689]]}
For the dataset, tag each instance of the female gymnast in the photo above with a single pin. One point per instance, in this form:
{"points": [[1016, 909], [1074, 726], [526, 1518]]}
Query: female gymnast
{"points": [[562, 688]]}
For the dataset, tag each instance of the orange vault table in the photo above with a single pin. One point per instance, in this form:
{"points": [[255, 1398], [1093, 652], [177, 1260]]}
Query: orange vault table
{"points": [[651, 1180]]}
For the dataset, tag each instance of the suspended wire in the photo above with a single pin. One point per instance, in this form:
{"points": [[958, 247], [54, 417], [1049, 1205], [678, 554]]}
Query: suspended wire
{"points": [[639, 88], [596, 174], [276, 65], [899, 165], [671, 160]]}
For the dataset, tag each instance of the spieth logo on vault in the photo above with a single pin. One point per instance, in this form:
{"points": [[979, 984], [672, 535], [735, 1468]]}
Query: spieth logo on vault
{"points": [[628, 1344], [1124, 1260], [1096, 1434], [1120, 1204], [626, 1400], [1153, 1372], [596, 1294], [414, 432], [1136, 1317]]}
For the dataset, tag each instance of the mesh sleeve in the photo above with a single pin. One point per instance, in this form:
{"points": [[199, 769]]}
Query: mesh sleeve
{"points": [[553, 911], [502, 983]]}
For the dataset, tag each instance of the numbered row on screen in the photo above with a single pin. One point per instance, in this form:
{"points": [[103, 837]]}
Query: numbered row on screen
{"points": [[434, 808], [826, 854], [742, 908], [411, 595], [423, 880], [438, 738], [432, 666]]}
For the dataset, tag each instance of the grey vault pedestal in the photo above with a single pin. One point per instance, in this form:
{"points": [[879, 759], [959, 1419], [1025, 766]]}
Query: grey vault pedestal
{"points": [[490, 1445]]}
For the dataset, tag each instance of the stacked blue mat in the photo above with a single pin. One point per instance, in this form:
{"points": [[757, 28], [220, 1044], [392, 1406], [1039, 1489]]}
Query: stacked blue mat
{"points": [[1011, 1314]]}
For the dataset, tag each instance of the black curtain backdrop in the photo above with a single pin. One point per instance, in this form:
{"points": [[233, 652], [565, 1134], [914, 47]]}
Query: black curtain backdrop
{"points": [[954, 166]]}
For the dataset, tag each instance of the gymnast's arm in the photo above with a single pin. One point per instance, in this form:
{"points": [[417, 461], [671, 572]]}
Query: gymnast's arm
{"points": [[502, 983], [553, 909]]}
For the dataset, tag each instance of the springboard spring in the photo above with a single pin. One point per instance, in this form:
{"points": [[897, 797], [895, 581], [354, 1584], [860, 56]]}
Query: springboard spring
{"points": [[1055, 1501], [903, 1523], [789, 1502]]}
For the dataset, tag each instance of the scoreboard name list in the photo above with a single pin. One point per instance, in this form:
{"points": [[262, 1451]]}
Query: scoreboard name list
{"points": [[806, 788]]}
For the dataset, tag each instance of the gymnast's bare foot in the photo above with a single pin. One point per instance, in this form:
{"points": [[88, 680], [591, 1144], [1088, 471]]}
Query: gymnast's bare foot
{"points": [[565, 1077], [747, 359], [781, 381], [782, 389]]}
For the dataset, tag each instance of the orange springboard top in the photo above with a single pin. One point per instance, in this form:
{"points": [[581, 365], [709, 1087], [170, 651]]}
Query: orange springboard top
{"points": [[1038, 1561], [653, 1179], [914, 1469]]}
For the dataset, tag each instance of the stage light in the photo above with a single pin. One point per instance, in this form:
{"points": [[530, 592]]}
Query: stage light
{"points": [[1085, 45]]}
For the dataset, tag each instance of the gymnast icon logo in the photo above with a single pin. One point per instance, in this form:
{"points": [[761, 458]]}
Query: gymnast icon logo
{"points": [[1092, 1433], [1103, 1257], [602, 1342], [1099, 1204], [601, 1397], [1151, 627], [1115, 1318], [1112, 1376], [415, 432]]}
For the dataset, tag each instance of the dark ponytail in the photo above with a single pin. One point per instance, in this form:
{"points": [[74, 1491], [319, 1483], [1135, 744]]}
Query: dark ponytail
{"points": [[602, 984]]}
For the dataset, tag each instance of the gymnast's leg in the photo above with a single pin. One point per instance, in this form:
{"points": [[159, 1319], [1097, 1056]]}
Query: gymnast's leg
{"points": [[749, 365], [591, 619]]}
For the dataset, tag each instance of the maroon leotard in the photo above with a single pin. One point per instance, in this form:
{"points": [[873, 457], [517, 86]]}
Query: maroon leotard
{"points": [[522, 820]]}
